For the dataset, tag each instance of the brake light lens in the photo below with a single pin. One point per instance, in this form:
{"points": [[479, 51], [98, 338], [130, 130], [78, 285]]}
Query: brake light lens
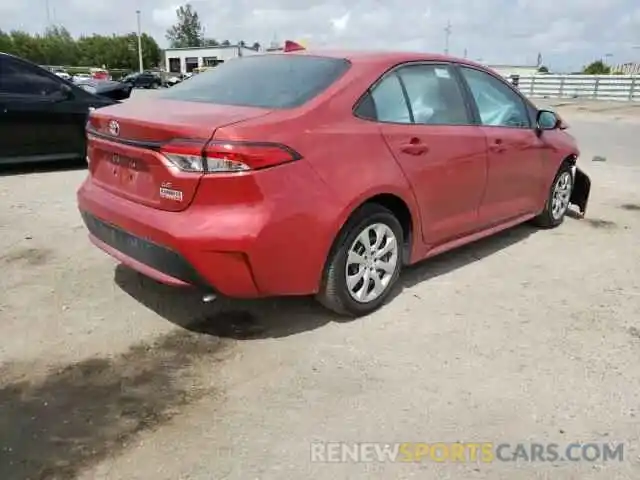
{"points": [[226, 157]]}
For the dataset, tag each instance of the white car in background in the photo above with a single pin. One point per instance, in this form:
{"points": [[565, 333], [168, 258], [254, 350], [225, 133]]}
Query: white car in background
{"points": [[81, 77], [61, 72]]}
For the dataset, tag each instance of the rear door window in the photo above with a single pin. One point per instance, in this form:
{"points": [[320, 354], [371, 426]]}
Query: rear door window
{"points": [[390, 103], [17, 78], [419, 94], [265, 81], [434, 94]]}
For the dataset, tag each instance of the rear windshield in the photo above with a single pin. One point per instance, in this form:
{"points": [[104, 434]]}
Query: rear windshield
{"points": [[265, 81]]}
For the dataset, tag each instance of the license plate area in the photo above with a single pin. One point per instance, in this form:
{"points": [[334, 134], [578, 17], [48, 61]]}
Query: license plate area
{"points": [[125, 168]]}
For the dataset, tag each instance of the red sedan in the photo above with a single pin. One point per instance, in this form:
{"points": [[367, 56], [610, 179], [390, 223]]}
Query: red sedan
{"points": [[321, 173]]}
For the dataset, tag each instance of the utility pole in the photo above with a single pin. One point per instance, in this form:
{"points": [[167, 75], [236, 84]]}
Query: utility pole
{"points": [[447, 34], [46, 2], [465, 53], [139, 43]]}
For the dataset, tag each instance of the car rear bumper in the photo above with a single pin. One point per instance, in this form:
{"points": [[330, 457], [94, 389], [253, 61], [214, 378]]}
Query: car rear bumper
{"points": [[153, 260], [253, 250]]}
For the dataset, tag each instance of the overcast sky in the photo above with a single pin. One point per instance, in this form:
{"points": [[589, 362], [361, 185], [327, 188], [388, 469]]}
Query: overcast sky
{"points": [[568, 33]]}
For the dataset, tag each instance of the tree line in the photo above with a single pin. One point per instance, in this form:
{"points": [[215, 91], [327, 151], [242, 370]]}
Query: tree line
{"points": [[58, 47]]}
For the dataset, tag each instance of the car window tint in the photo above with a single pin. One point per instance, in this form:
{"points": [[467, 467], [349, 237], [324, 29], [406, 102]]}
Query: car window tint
{"points": [[367, 108], [19, 79], [435, 95], [266, 81], [498, 105], [389, 101]]}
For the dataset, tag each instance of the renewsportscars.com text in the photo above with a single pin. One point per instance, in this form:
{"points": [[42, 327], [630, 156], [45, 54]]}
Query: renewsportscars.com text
{"points": [[483, 452]]}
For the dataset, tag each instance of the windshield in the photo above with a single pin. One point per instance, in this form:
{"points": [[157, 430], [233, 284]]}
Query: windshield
{"points": [[264, 81]]}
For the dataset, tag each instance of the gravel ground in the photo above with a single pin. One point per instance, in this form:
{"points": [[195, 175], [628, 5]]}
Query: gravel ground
{"points": [[530, 336]]}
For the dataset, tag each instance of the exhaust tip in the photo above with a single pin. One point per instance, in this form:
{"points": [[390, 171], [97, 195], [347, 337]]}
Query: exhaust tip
{"points": [[209, 297]]}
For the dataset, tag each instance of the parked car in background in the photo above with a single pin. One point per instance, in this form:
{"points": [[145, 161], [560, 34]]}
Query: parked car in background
{"points": [[106, 88], [175, 78], [143, 80], [325, 174], [78, 77], [60, 72], [42, 117], [99, 74]]}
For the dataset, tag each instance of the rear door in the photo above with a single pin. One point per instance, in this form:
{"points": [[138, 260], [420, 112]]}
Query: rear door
{"points": [[38, 121], [24, 124], [428, 127], [516, 153]]}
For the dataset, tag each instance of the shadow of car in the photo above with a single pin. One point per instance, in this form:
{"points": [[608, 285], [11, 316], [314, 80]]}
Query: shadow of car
{"points": [[285, 316]]}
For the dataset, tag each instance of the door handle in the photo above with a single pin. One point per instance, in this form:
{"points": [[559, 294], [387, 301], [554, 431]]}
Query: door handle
{"points": [[414, 147], [497, 146]]}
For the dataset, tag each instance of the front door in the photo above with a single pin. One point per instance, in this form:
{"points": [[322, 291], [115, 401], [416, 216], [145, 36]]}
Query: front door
{"points": [[428, 127], [516, 153]]}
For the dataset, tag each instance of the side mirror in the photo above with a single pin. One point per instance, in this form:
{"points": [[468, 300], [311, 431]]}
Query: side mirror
{"points": [[65, 93], [547, 120]]}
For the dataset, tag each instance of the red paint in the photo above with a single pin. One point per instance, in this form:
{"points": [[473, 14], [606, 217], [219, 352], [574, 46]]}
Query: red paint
{"points": [[268, 231], [291, 46]]}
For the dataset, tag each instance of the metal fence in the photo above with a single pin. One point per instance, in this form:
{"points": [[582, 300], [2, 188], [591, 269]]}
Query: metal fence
{"points": [[600, 87]]}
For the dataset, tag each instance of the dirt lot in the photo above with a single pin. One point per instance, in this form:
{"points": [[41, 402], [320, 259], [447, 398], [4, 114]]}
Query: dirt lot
{"points": [[530, 336]]}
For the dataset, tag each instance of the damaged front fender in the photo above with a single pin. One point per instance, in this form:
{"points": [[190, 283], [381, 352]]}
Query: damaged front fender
{"points": [[581, 191]]}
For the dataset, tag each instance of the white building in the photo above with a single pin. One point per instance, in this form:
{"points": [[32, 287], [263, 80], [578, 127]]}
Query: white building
{"points": [[184, 60]]}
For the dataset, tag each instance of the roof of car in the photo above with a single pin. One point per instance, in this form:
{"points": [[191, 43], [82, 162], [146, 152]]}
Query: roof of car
{"points": [[382, 57]]}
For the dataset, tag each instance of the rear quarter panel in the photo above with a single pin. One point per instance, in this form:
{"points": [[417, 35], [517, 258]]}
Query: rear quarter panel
{"points": [[349, 155]]}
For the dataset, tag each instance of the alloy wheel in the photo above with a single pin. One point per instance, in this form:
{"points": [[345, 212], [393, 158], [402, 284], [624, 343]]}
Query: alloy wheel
{"points": [[371, 262]]}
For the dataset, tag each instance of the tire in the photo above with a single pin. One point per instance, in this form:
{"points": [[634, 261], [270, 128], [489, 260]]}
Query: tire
{"points": [[335, 293], [552, 217]]}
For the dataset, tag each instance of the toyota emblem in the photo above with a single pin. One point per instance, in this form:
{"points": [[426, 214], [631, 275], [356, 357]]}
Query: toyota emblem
{"points": [[114, 128]]}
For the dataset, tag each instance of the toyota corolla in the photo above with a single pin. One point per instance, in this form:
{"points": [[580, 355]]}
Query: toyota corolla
{"points": [[321, 173]]}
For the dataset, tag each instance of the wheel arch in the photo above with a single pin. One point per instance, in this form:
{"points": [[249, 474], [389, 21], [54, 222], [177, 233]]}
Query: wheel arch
{"points": [[571, 159], [403, 210]]}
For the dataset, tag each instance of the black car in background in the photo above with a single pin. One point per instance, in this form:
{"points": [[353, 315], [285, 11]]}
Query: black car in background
{"points": [[105, 88], [42, 116], [143, 80]]}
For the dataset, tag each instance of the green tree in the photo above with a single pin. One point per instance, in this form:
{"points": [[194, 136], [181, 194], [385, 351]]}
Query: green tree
{"points": [[597, 68], [6, 43], [210, 42], [26, 46], [187, 32], [57, 47], [256, 46], [225, 43], [543, 69]]}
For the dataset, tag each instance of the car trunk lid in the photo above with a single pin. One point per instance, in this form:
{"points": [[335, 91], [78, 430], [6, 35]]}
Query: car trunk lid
{"points": [[126, 144]]}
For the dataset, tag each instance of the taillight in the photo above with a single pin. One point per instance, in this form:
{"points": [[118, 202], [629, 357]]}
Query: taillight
{"points": [[224, 156]]}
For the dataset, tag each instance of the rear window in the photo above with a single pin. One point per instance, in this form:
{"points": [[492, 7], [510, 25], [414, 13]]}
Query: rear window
{"points": [[264, 81]]}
